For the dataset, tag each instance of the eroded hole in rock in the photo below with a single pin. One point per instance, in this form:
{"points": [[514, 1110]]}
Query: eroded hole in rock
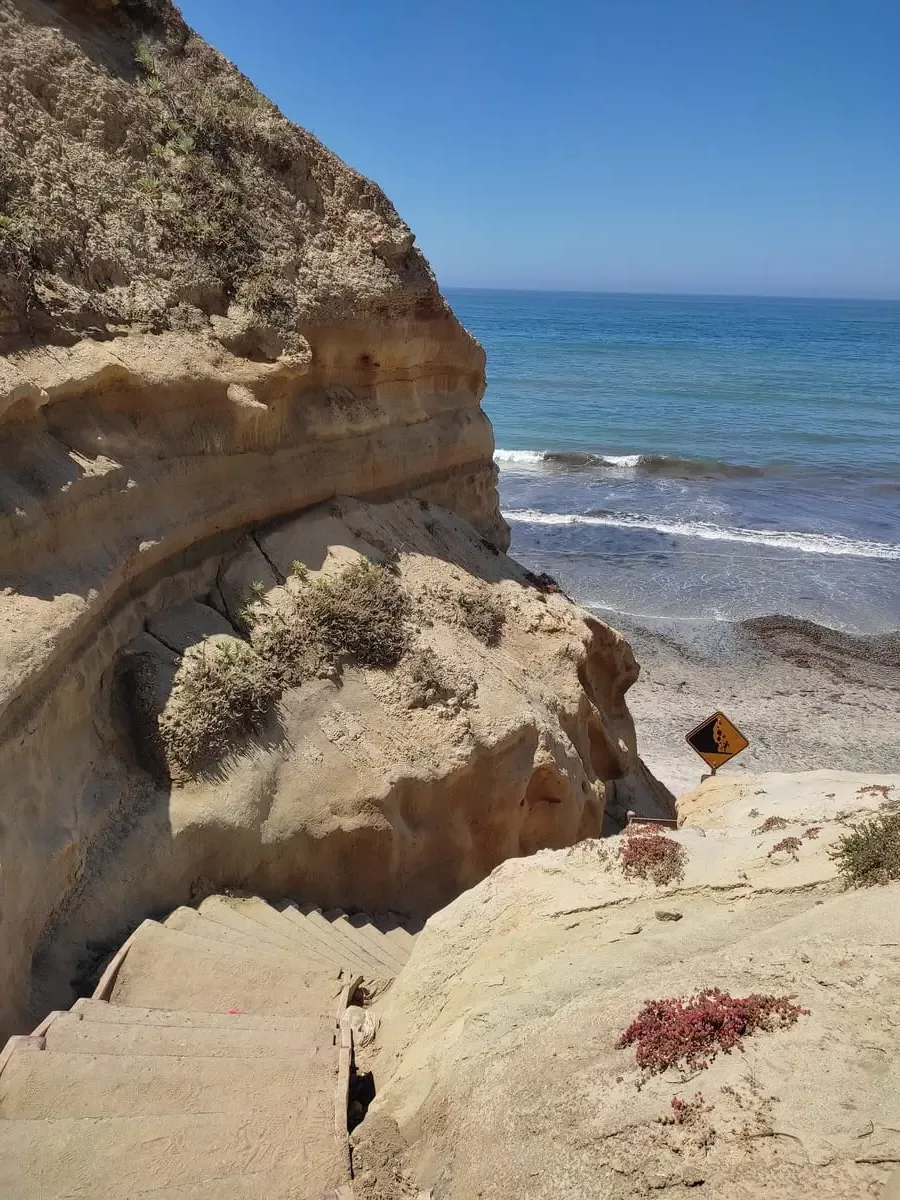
{"points": [[360, 1096], [547, 817], [606, 759]]}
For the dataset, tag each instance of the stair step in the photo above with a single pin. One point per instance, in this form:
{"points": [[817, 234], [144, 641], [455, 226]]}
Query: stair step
{"points": [[72, 1035], [345, 936], [359, 953], [188, 920], [212, 926], [99, 1012], [218, 910], [341, 923], [115, 1158], [267, 917], [382, 944], [393, 929], [323, 936], [54, 1085], [358, 958], [168, 969], [318, 943]]}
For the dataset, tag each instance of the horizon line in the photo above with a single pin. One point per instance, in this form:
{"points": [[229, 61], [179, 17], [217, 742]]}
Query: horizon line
{"points": [[466, 287]]}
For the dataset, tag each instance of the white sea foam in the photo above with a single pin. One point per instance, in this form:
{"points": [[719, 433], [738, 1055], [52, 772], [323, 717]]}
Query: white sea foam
{"points": [[622, 460], [807, 543], [533, 457], [519, 456]]}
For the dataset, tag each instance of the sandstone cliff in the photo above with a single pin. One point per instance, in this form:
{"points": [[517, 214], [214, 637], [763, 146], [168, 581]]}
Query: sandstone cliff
{"points": [[208, 324], [499, 1068]]}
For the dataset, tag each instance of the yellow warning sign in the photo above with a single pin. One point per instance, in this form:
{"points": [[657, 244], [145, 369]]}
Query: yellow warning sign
{"points": [[716, 740]]}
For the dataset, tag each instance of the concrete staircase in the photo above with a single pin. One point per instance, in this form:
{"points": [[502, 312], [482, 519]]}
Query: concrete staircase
{"points": [[210, 1064]]}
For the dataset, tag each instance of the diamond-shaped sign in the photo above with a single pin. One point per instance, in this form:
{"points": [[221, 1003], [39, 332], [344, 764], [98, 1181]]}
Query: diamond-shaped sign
{"points": [[717, 740]]}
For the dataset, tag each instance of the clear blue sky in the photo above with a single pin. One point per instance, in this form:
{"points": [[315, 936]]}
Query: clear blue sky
{"points": [[748, 146]]}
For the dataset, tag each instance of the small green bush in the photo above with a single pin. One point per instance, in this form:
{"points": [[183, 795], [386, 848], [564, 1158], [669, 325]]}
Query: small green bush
{"points": [[361, 613], [870, 852], [145, 58], [223, 692], [16, 232], [483, 615]]}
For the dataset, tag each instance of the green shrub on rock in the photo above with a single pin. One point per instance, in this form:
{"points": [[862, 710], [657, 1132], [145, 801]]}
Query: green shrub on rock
{"points": [[223, 693], [225, 690], [870, 852]]}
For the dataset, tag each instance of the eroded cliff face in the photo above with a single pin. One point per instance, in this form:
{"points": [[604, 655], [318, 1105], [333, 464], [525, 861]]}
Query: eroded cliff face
{"points": [[496, 724], [209, 323], [207, 320]]}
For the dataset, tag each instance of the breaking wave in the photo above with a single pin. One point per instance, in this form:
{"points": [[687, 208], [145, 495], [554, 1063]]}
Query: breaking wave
{"points": [[671, 465], [807, 543]]}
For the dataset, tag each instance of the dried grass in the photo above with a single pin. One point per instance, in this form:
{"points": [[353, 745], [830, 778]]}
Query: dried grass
{"points": [[223, 693]]}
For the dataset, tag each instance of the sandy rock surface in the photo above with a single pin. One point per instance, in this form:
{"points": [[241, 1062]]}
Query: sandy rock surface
{"points": [[498, 1071]]}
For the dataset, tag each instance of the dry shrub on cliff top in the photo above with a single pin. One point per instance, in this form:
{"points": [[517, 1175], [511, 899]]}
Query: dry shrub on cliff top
{"points": [[223, 692], [483, 615], [172, 189], [645, 853], [870, 852], [690, 1033], [477, 609], [360, 613], [427, 679]]}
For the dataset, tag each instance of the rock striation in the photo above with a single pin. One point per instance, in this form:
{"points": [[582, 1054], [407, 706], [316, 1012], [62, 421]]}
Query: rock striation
{"points": [[209, 324]]}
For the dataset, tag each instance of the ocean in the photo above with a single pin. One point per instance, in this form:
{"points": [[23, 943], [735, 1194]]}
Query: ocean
{"points": [[700, 457]]}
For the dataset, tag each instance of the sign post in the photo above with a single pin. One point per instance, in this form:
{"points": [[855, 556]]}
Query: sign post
{"points": [[716, 740]]}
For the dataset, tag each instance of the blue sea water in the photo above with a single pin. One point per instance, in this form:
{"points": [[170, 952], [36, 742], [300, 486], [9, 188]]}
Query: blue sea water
{"points": [[700, 457]]}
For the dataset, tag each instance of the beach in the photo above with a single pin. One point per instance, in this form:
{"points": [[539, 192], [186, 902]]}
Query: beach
{"points": [[806, 697]]}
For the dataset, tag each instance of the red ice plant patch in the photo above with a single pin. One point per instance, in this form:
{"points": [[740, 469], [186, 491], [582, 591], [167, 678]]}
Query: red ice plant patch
{"points": [[647, 854], [771, 823], [685, 1112], [693, 1031], [790, 845], [813, 831]]}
